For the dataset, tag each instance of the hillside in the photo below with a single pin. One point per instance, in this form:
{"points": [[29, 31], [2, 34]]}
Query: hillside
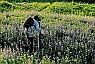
{"points": [[56, 7]]}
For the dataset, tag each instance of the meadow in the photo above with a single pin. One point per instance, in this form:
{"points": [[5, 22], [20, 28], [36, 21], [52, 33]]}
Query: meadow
{"points": [[68, 29]]}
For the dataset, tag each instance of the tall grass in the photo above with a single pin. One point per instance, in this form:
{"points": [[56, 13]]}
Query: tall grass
{"points": [[68, 39]]}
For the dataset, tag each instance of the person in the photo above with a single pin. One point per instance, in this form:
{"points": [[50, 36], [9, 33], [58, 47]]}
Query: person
{"points": [[36, 22], [31, 24]]}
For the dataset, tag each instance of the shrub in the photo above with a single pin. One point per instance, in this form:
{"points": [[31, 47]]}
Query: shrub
{"points": [[6, 6], [72, 8]]}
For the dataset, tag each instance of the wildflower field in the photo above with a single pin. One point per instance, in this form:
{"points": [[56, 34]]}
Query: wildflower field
{"points": [[68, 29]]}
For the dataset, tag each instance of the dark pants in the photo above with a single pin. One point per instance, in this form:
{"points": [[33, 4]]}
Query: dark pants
{"points": [[30, 43]]}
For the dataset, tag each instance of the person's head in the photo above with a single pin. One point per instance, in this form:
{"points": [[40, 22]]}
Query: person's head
{"points": [[37, 18], [29, 22]]}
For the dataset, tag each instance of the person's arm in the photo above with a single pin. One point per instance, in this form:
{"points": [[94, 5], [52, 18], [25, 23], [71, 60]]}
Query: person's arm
{"points": [[37, 25], [32, 27]]}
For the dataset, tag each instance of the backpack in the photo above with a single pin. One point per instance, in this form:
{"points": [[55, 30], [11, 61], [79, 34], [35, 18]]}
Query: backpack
{"points": [[28, 22]]}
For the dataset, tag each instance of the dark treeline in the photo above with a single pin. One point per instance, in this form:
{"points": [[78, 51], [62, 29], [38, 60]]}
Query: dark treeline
{"points": [[84, 1]]}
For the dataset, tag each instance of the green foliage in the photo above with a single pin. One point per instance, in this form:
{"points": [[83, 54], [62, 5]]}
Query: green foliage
{"points": [[86, 1], [33, 6], [33, 0], [56, 7], [72, 8], [6, 6]]}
